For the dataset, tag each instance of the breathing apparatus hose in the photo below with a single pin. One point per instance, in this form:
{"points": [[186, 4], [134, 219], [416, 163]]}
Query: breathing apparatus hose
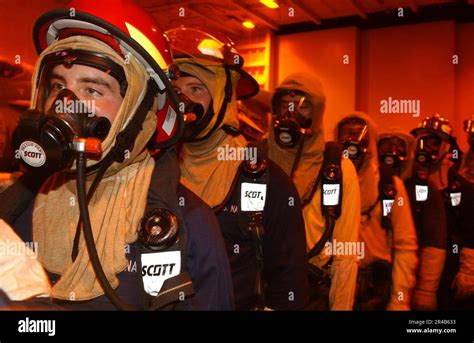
{"points": [[89, 237], [330, 223]]}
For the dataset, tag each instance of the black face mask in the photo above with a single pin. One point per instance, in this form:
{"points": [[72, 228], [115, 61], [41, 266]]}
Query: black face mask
{"points": [[392, 151], [356, 145], [193, 128], [45, 141], [289, 128]]}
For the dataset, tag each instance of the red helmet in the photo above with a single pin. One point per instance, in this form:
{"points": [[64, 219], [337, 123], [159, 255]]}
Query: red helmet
{"points": [[127, 29], [208, 49]]}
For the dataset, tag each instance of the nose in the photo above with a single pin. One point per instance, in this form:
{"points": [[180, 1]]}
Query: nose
{"points": [[182, 97], [64, 97]]}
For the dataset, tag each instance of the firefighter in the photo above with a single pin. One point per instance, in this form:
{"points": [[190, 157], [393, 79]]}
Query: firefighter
{"points": [[387, 272], [256, 204]]}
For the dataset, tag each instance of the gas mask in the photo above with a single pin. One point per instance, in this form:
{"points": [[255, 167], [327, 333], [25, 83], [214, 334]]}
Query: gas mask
{"points": [[392, 151], [434, 140], [430, 149], [195, 119], [46, 141], [289, 125], [353, 137]]}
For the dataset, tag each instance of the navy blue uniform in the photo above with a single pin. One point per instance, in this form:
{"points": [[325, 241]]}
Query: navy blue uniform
{"points": [[461, 234], [284, 247], [429, 217], [207, 262]]}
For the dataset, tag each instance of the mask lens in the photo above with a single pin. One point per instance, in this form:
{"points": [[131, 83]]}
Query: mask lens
{"points": [[353, 137], [432, 142], [295, 106], [428, 148], [392, 148]]}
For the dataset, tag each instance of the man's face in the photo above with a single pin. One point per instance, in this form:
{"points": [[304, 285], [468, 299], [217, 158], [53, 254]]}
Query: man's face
{"points": [[89, 84], [351, 131], [432, 145], [304, 108], [392, 146], [194, 89]]}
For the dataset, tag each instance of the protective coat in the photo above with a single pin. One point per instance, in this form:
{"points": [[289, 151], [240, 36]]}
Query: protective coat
{"points": [[398, 247], [344, 266]]}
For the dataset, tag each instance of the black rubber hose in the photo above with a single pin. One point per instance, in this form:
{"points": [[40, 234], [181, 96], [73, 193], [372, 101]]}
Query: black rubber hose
{"points": [[327, 234], [90, 192], [89, 237]]}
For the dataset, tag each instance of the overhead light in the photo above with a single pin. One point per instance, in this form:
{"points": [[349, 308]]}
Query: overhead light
{"points": [[248, 24], [269, 3]]}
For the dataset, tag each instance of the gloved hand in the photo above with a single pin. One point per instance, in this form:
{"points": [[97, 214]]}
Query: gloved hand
{"points": [[21, 275], [463, 283]]}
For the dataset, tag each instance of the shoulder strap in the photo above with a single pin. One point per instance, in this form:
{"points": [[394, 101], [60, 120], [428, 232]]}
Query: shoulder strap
{"points": [[454, 188], [387, 192], [254, 170], [250, 220], [330, 178], [419, 191], [327, 173], [162, 194]]}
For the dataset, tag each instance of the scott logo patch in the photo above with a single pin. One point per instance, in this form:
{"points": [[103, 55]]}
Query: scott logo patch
{"points": [[387, 207], [330, 194], [32, 154], [421, 192], [455, 199], [157, 267], [252, 196]]}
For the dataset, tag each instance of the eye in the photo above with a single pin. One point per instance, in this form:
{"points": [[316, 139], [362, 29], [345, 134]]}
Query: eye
{"points": [[56, 86], [93, 92]]}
